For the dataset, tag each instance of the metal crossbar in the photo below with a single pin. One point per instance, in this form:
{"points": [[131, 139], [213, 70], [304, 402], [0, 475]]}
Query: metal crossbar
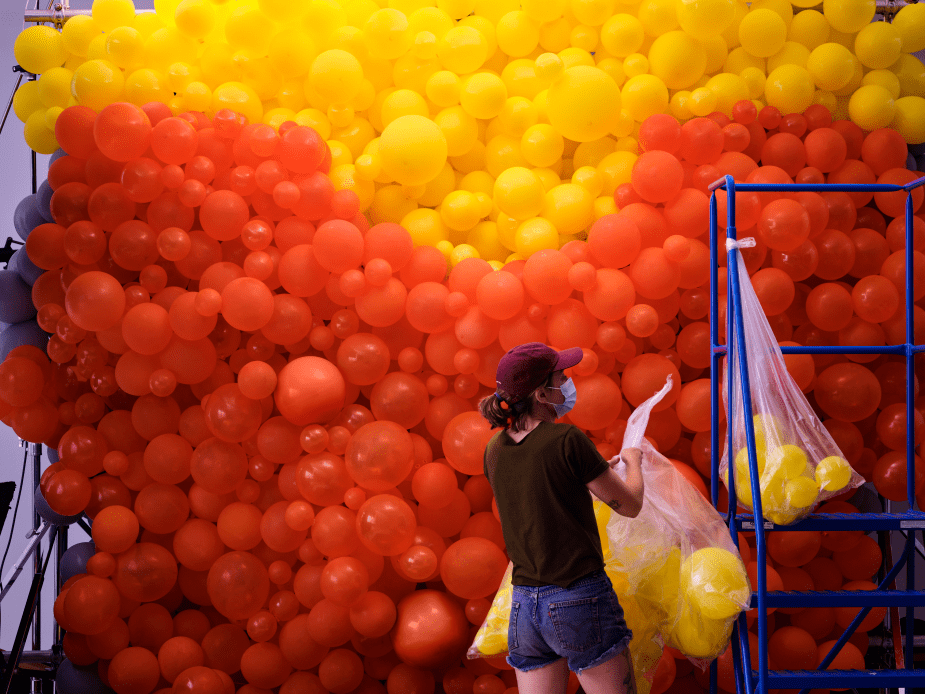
{"points": [[761, 680]]}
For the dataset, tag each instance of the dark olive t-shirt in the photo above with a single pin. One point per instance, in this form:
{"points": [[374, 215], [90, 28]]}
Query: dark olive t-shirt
{"points": [[546, 510]]}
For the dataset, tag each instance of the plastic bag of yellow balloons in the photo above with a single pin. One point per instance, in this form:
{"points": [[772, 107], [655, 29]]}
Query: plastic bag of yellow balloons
{"points": [[491, 638], [799, 465], [676, 557]]}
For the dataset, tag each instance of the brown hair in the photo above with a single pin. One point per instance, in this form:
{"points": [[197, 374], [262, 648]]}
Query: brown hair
{"points": [[502, 412]]}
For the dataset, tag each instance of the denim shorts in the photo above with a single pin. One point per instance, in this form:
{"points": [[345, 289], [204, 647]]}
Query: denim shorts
{"points": [[583, 623]]}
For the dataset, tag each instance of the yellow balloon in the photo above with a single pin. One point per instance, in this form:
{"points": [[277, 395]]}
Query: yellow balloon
{"points": [[762, 32], [425, 226], [789, 459], [584, 104], [910, 22], [729, 90], [483, 95], [463, 49], [809, 28], [144, 86], [715, 582], [790, 88], [831, 66], [833, 473], [78, 32], [460, 210], [336, 75], [519, 193], [27, 101], [459, 129], [909, 120], [911, 74], [55, 87], [517, 34], [38, 135], [878, 45], [386, 34], [872, 107], [643, 96], [677, 59], [534, 235], [739, 59], [248, 28], [39, 48], [791, 53], [97, 83], [112, 13], [124, 46], [886, 79], [658, 16], [697, 636], [196, 18], [801, 492], [292, 52], [239, 97], [849, 16], [705, 18], [413, 150], [462, 252], [569, 207]]}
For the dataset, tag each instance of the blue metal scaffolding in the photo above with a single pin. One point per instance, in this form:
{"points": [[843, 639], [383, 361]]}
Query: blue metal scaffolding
{"points": [[751, 679]]}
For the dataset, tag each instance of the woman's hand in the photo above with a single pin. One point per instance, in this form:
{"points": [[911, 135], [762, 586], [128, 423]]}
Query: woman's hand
{"points": [[631, 456]]}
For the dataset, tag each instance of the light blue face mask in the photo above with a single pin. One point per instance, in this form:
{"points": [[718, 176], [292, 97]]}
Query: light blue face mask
{"points": [[571, 396]]}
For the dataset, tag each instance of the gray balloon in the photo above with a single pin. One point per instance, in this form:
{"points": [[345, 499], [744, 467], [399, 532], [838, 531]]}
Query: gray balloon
{"points": [[866, 500], [52, 455], [43, 202], [75, 559], [44, 510], [24, 267], [25, 333], [56, 155], [15, 298], [26, 216], [70, 679]]}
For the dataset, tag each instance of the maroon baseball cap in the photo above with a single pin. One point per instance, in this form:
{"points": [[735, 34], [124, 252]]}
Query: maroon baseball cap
{"points": [[526, 367]]}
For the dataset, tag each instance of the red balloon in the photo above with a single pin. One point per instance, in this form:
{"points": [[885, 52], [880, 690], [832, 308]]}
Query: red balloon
{"points": [[310, 390], [122, 131], [238, 584]]}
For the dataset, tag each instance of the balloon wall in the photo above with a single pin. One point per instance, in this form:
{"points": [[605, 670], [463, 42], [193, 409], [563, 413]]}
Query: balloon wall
{"points": [[282, 247]]}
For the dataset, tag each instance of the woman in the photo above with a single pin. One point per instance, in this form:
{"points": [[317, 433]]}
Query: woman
{"points": [[564, 612]]}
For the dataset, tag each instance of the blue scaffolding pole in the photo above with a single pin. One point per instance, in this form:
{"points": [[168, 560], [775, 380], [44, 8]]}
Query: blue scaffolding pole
{"points": [[761, 680]]}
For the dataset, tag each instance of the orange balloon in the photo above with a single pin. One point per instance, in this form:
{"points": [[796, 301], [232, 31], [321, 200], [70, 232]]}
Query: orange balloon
{"points": [[847, 391], [344, 580], [197, 544], [385, 525], [545, 274], [115, 529], [161, 508], [265, 666], [247, 304], [178, 654], [218, 466], [431, 630], [276, 532], [401, 398], [657, 176], [334, 531], [238, 584], [379, 455], [91, 605], [310, 390], [341, 670], [167, 458], [373, 614], [473, 567], [363, 358], [134, 670], [232, 416], [238, 525], [145, 572], [95, 300], [464, 440]]}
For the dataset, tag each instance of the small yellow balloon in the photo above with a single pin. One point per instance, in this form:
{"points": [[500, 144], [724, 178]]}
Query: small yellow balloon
{"points": [[909, 120], [872, 107], [483, 95], [644, 96], [801, 492], [55, 87], [715, 582], [790, 88], [413, 150], [534, 235], [678, 59], [762, 32], [789, 459], [336, 75], [809, 28], [38, 135], [833, 473], [519, 193]]}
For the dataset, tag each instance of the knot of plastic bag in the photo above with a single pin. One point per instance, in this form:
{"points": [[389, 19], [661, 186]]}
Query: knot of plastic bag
{"points": [[747, 242]]}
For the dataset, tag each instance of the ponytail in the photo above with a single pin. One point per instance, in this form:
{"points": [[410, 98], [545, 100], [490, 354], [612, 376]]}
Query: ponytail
{"points": [[503, 415]]}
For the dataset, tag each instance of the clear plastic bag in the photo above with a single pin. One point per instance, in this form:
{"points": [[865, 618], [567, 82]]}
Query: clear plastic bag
{"points": [[676, 558], [799, 463]]}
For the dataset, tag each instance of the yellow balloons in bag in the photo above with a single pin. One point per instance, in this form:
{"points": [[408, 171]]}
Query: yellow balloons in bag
{"points": [[715, 582], [833, 473]]}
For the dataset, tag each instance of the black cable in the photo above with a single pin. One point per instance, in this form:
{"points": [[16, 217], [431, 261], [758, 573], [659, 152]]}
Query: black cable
{"points": [[9, 541]]}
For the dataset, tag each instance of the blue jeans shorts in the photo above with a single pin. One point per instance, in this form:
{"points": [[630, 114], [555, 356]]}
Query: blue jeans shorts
{"points": [[583, 623]]}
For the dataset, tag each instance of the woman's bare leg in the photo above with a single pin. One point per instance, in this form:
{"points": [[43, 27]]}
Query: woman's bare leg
{"points": [[614, 676], [549, 679]]}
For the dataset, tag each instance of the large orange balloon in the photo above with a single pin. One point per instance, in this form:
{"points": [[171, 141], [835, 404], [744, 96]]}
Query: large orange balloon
{"points": [[310, 390], [847, 391], [91, 605], [598, 402], [645, 375], [385, 524], [379, 455], [473, 567], [464, 440], [431, 630], [95, 300], [238, 584]]}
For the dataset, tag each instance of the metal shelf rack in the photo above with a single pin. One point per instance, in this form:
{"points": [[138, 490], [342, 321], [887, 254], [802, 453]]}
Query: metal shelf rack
{"points": [[758, 678]]}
